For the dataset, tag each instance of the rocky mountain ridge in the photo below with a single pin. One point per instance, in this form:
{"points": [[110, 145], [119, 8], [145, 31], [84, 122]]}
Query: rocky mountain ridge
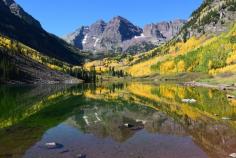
{"points": [[16, 24], [28, 53], [212, 17], [120, 35], [19, 12]]}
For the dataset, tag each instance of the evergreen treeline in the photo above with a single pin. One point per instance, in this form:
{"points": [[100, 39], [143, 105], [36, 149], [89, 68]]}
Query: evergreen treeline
{"points": [[9, 70], [81, 73], [117, 73]]}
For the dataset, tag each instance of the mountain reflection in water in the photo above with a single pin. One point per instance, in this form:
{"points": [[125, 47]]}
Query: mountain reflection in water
{"points": [[86, 119]]}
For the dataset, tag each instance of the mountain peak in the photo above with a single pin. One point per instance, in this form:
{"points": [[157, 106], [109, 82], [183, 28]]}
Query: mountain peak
{"points": [[97, 28], [100, 21], [8, 2], [19, 12], [119, 34], [98, 24], [119, 19], [120, 29]]}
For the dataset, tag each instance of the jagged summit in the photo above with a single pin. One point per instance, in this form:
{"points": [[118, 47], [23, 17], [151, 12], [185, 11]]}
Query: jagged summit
{"points": [[118, 30], [120, 35]]}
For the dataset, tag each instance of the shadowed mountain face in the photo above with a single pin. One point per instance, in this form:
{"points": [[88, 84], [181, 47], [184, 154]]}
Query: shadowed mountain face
{"points": [[18, 11], [120, 35], [28, 54], [19, 25]]}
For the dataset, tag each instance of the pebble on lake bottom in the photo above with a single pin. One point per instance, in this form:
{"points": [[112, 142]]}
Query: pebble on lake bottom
{"points": [[189, 100], [53, 145], [233, 155], [226, 118], [81, 156], [64, 151]]}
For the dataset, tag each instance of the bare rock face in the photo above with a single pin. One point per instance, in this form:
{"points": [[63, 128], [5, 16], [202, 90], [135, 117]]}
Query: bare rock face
{"points": [[170, 29], [120, 29], [93, 37], [18, 25], [117, 31], [164, 30], [121, 36], [18, 11], [137, 45], [212, 17], [77, 38], [151, 30]]}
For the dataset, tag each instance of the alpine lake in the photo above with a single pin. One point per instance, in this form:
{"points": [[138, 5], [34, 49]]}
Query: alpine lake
{"points": [[116, 120]]}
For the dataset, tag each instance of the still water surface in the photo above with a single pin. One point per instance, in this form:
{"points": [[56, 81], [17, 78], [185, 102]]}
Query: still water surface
{"points": [[89, 120]]}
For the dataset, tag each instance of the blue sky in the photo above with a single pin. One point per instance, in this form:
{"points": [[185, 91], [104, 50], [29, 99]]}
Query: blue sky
{"points": [[63, 16]]}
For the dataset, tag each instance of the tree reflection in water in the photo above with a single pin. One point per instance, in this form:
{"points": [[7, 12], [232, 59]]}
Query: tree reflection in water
{"points": [[29, 114]]}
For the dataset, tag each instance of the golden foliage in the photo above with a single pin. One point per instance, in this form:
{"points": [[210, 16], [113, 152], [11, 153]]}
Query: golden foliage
{"points": [[233, 102], [181, 66], [184, 47], [204, 54], [232, 58], [226, 69], [168, 67], [16, 47], [143, 68]]}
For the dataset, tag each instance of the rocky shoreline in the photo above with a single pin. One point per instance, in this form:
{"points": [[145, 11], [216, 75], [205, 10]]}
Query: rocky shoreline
{"points": [[224, 87]]}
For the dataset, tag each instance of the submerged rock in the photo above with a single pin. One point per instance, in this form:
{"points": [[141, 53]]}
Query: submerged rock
{"points": [[53, 145], [128, 125], [133, 127], [137, 127], [226, 118], [141, 121], [64, 151], [81, 156], [233, 155], [231, 97]]}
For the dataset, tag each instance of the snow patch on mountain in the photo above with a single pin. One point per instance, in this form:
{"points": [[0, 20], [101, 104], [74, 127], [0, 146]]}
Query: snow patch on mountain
{"points": [[141, 36], [85, 39], [96, 42]]}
